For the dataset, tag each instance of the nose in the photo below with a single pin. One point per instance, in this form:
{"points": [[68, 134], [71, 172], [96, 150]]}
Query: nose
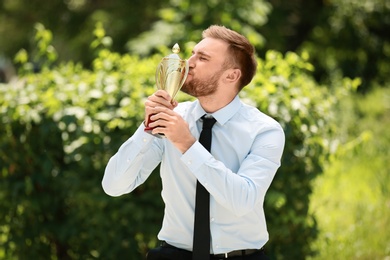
{"points": [[191, 62]]}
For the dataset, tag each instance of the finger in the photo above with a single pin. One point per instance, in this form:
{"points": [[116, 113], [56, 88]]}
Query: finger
{"points": [[161, 116], [162, 109], [164, 94], [158, 130], [148, 111], [154, 101], [159, 126], [165, 99]]}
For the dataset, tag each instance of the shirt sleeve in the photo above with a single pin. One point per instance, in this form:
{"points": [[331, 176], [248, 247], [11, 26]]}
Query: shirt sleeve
{"points": [[132, 164], [239, 191]]}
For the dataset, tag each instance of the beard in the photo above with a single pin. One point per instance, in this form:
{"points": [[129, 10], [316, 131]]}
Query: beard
{"points": [[202, 87]]}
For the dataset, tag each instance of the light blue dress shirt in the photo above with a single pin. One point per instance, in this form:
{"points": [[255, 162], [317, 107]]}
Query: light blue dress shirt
{"points": [[246, 149]]}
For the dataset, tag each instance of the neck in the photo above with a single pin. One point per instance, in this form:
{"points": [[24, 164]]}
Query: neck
{"points": [[213, 103]]}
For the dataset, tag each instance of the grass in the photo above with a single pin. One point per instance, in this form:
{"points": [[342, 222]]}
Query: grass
{"points": [[351, 200]]}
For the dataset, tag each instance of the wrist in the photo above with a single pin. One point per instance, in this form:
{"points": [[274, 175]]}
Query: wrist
{"points": [[184, 146]]}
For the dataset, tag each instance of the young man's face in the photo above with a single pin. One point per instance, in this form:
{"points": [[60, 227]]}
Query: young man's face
{"points": [[206, 65]]}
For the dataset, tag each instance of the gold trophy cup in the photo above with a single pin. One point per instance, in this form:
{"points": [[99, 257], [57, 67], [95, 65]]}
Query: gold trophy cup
{"points": [[171, 73]]}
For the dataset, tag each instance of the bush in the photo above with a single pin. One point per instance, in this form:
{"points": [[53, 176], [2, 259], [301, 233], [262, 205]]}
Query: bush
{"points": [[288, 93], [60, 126]]}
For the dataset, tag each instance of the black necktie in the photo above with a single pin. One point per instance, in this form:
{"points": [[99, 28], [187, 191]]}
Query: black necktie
{"points": [[201, 245]]}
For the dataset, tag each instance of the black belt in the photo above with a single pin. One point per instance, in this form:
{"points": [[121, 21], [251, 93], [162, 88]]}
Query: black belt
{"points": [[225, 255], [237, 253]]}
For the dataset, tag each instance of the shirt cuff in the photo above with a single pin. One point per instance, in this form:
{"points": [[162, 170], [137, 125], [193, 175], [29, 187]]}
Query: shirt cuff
{"points": [[196, 156]]}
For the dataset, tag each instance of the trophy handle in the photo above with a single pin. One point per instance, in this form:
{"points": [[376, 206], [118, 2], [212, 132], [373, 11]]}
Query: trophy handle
{"points": [[159, 76], [184, 72]]}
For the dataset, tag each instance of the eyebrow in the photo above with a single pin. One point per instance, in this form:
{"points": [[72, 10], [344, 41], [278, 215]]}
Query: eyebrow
{"points": [[202, 53]]}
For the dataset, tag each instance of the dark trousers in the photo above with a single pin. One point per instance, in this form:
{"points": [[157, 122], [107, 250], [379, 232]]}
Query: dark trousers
{"points": [[173, 253]]}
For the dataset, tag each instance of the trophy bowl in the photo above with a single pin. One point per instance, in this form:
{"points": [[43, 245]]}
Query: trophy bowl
{"points": [[171, 73]]}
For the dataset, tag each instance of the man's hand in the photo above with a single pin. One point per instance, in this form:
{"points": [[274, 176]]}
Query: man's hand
{"points": [[159, 109], [173, 126], [159, 98]]}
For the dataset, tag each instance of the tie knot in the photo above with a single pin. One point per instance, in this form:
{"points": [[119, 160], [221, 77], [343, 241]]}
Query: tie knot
{"points": [[208, 122]]}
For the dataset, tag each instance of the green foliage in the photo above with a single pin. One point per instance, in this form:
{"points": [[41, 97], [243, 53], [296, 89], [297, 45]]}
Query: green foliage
{"points": [[345, 38], [60, 126], [284, 89], [351, 40], [44, 55], [58, 129], [351, 200], [72, 22], [184, 20]]}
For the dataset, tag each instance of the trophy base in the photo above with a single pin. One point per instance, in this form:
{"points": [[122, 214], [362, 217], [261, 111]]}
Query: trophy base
{"points": [[149, 129]]}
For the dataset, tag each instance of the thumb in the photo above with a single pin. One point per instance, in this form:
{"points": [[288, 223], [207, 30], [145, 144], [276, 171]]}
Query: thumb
{"points": [[174, 103]]}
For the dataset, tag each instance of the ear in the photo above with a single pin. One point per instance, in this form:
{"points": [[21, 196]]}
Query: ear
{"points": [[233, 75]]}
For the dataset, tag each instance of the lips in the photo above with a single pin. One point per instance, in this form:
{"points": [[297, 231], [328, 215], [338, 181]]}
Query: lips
{"points": [[189, 74]]}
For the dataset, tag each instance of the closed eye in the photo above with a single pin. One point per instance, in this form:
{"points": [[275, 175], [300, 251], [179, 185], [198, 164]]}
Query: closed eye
{"points": [[201, 55]]}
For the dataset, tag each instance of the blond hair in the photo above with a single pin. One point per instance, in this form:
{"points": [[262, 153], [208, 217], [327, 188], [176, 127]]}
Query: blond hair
{"points": [[242, 52]]}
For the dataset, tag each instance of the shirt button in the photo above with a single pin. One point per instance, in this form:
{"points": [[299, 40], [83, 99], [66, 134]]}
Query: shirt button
{"points": [[212, 219], [144, 140], [206, 184], [189, 162]]}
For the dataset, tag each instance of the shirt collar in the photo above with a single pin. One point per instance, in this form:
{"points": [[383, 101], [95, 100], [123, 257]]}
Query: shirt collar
{"points": [[222, 115]]}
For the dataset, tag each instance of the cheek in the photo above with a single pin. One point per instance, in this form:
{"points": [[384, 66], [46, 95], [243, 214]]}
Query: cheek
{"points": [[204, 71]]}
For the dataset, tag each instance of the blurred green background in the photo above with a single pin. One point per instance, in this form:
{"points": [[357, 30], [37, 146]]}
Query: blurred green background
{"points": [[73, 78]]}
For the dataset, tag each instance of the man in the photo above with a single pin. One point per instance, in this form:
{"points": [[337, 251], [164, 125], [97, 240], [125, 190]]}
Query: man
{"points": [[245, 153]]}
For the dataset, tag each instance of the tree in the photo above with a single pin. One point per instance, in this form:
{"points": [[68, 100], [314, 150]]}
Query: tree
{"points": [[184, 21], [351, 40], [344, 38], [72, 23]]}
